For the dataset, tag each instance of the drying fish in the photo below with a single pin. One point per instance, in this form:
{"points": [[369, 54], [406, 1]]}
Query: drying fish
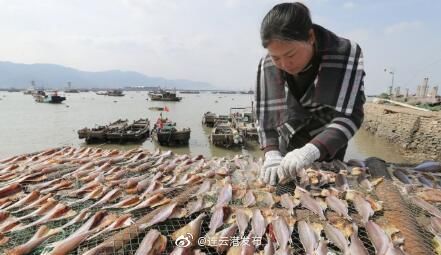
{"points": [[63, 184], [3, 239], [121, 222], [429, 166], [109, 197], [258, 223], [70, 243], [356, 162], [125, 203], [282, 234], [48, 205], [225, 195], [402, 176], [81, 216], [308, 237], [336, 237], [311, 204], [287, 202], [435, 223], [31, 197], [191, 230], [10, 190], [249, 199], [152, 201], [205, 187], [364, 182], [356, 246], [42, 234], [60, 211], [341, 182], [363, 208], [152, 244], [339, 206], [379, 239], [242, 220], [426, 206], [224, 234], [430, 195], [163, 213], [265, 199], [427, 181], [217, 218], [9, 224]]}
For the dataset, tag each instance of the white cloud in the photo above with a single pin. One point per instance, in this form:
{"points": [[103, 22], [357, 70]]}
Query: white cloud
{"points": [[403, 26]]}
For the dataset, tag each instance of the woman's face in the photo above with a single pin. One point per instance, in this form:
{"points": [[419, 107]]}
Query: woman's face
{"points": [[291, 56]]}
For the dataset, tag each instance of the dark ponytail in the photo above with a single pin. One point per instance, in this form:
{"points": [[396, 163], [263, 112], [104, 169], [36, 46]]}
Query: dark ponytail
{"points": [[287, 22]]}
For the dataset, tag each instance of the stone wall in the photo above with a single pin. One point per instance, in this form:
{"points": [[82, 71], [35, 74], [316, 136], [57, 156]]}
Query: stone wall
{"points": [[417, 133]]}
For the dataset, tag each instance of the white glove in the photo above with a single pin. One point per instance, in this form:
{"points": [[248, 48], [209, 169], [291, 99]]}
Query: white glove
{"points": [[268, 172], [296, 160]]}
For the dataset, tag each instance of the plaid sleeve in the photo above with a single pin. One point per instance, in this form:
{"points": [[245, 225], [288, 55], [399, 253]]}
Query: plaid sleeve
{"points": [[348, 108], [270, 103], [341, 128]]}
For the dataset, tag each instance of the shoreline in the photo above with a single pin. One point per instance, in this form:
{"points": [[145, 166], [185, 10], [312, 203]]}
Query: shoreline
{"points": [[417, 133]]}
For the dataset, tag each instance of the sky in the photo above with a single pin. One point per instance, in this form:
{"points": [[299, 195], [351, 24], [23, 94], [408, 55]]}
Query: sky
{"points": [[215, 41]]}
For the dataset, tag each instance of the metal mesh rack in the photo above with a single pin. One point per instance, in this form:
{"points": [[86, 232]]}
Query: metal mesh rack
{"points": [[170, 226]]}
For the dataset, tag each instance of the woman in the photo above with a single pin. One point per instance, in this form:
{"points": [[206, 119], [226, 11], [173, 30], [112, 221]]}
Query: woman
{"points": [[309, 93]]}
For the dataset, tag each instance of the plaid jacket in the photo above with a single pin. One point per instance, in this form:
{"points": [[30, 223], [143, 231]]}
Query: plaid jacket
{"points": [[331, 110]]}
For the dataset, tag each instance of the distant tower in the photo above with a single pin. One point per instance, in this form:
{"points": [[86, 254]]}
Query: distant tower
{"points": [[425, 87], [407, 93], [33, 84], [434, 92], [418, 92], [69, 85], [397, 91]]}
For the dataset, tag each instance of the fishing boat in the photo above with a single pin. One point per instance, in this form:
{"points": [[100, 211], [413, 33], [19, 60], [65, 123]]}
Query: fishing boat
{"points": [[169, 135], [163, 95], [224, 135], [209, 119], [98, 134], [41, 97], [156, 108], [115, 93], [244, 123], [138, 131]]}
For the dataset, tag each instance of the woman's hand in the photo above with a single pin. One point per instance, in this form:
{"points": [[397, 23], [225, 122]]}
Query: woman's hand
{"points": [[296, 160], [271, 166]]}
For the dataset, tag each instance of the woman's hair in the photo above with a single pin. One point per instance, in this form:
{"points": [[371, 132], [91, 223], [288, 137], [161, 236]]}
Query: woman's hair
{"points": [[287, 22]]}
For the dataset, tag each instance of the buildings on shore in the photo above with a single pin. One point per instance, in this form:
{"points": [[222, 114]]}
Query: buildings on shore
{"points": [[424, 94]]}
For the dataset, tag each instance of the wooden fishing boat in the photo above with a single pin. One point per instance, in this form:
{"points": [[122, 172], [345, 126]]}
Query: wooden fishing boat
{"points": [[169, 135], [163, 95], [209, 119], [224, 135]]}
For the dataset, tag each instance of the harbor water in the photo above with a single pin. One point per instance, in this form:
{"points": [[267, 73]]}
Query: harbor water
{"points": [[28, 126]]}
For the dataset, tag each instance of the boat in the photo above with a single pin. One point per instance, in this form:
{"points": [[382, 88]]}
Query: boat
{"points": [[41, 97], [244, 123], [189, 92], [71, 91], [98, 134], [224, 135], [209, 119], [101, 93], [169, 135], [156, 108], [115, 93], [163, 95], [138, 131]]}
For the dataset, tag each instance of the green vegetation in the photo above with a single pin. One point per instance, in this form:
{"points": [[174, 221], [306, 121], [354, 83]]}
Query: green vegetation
{"points": [[430, 107], [384, 96]]}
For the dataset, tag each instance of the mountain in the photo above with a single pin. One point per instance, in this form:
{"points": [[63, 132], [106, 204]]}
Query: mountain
{"points": [[56, 77]]}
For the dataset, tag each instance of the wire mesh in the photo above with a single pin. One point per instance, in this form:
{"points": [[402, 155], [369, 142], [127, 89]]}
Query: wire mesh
{"points": [[170, 226]]}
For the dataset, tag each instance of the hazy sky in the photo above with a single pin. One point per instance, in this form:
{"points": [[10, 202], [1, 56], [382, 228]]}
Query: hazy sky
{"points": [[214, 41]]}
